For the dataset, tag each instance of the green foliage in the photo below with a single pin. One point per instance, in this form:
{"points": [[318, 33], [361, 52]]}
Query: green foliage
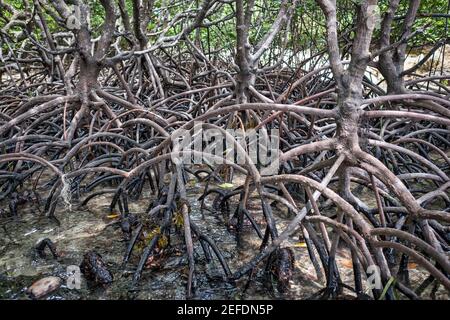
{"points": [[390, 283], [307, 28]]}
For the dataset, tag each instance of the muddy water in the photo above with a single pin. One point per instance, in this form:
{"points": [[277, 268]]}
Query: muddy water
{"points": [[93, 228]]}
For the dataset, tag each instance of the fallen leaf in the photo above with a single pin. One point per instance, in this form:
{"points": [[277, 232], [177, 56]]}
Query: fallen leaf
{"points": [[300, 245], [113, 216], [226, 185], [347, 263], [412, 265]]}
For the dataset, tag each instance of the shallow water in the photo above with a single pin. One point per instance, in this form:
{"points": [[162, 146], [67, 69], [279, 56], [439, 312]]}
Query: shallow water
{"points": [[90, 228]]}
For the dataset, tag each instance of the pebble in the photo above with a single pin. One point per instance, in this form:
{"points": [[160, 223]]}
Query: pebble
{"points": [[44, 286]]}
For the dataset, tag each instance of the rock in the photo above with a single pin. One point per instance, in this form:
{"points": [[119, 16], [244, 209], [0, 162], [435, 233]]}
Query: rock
{"points": [[44, 286]]}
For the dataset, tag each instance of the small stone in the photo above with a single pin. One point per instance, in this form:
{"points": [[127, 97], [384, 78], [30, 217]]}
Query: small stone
{"points": [[44, 286]]}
